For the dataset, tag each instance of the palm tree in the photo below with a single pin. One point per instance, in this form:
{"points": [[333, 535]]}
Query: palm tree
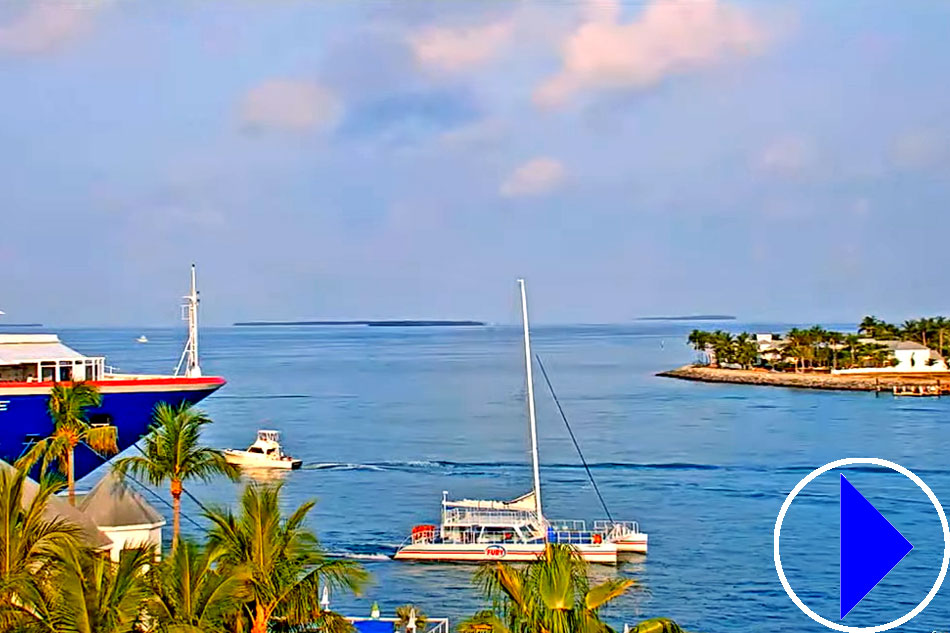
{"points": [[173, 454], [833, 340], [699, 339], [93, 594], [870, 326], [852, 341], [31, 545], [405, 613], [192, 594], [553, 595], [68, 404], [283, 559]]}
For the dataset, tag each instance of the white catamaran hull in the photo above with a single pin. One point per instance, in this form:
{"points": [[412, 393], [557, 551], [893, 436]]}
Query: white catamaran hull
{"points": [[636, 544], [605, 553]]}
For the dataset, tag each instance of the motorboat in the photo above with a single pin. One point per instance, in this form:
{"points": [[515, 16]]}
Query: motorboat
{"points": [[265, 452], [475, 530], [142, 339]]}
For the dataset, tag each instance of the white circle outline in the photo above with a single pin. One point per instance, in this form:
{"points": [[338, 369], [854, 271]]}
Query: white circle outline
{"points": [[848, 461]]}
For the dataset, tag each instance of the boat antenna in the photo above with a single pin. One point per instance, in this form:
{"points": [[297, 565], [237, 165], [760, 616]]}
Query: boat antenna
{"points": [[189, 312], [531, 416], [590, 475]]}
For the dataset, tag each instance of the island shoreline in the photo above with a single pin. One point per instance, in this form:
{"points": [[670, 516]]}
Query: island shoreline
{"points": [[806, 380]]}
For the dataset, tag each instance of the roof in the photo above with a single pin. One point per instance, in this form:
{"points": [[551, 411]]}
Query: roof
{"points": [[60, 508], [902, 345], [112, 503], [24, 348]]}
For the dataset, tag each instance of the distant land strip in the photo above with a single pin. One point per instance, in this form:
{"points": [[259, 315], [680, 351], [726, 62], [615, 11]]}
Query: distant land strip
{"points": [[3, 325], [690, 317], [396, 323]]}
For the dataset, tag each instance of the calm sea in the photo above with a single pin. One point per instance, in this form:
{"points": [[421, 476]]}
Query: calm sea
{"points": [[386, 419]]}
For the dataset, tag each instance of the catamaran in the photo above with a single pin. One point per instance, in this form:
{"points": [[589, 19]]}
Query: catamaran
{"points": [[474, 530]]}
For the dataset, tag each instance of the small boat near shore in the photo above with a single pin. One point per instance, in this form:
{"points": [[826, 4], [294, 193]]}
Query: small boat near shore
{"points": [[476, 530], [265, 452]]}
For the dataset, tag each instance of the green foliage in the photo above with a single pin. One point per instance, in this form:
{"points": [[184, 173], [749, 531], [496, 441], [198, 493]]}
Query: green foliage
{"points": [[285, 565], [173, 453], [67, 406], [818, 349], [553, 595]]}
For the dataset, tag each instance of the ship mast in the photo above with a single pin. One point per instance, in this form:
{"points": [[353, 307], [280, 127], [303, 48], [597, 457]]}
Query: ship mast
{"points": [[531, 417], [189, 356]]}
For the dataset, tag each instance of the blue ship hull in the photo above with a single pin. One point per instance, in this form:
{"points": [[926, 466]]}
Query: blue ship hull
{"points": [[126, 404]]}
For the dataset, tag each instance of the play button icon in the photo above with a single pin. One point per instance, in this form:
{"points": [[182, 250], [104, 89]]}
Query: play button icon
{"points": [[870, 547]]}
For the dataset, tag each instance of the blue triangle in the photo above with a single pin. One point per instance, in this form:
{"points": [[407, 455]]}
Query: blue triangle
{"points": [[870, 547]]}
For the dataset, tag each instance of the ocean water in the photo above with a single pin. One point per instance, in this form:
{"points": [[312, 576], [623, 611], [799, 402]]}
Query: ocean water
{"points": [[386, 419]]}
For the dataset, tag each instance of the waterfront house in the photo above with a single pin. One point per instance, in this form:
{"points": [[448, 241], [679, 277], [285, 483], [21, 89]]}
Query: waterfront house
{"points": [[909, 357], [111, 517], [123, 516], [769, 347]]}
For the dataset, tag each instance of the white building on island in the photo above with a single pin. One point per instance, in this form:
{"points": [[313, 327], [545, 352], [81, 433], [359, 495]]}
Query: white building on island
{"points": [[909, 357]]}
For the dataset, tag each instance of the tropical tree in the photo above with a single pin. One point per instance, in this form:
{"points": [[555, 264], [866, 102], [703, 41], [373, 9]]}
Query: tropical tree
{"points": [[31, 545], [284, 561], [93, 594], [746, 351], [173, 453], [833, 340], [553, 595], [192, 593], [68, 405], [700, 339], [852, 341], [406, 613]]}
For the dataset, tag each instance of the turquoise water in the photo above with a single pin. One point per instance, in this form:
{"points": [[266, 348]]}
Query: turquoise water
{"points": [[385, 419]]}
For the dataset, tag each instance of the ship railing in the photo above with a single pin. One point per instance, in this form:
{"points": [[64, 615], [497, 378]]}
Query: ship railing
{"points": [[574, 537], [608, 527], [567, 525], [465, 516]]}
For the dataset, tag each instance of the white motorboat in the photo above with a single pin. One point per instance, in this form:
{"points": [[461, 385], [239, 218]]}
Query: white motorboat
{"points": [[142, 339], [265, 452], [474, 530]]}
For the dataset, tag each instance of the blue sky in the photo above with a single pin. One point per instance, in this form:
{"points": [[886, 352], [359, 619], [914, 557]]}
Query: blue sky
{"points": [[380, 159]]}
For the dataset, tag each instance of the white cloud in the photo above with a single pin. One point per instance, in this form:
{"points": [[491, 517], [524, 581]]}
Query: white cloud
{"points": [[788, 155], [46, 26], [453, 49], [668, 37], [535, 177], [291, 105]]}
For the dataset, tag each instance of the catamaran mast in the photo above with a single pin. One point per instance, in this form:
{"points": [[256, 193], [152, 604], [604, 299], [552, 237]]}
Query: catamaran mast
{"points": [[531, 416], [189, 356]]}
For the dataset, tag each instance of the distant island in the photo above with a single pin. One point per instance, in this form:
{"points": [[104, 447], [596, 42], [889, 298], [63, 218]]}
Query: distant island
{"points": [[18, 325], [690, 317], [391, 323]]}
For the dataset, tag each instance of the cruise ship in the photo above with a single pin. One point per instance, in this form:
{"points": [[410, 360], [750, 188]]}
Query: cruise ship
{"points": [[30, 364]]}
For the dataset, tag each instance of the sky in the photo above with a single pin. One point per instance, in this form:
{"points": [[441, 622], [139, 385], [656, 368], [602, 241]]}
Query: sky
{"points": [[412, 159]]}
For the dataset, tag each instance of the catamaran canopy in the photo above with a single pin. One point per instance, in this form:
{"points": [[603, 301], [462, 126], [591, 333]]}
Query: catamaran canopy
{"points": [[525, 503]]}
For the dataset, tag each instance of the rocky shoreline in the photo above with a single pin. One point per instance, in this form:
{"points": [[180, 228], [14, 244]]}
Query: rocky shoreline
{"points": [[860, 382]]}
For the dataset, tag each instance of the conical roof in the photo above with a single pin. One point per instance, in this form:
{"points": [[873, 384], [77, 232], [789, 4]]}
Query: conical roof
{"points": [[60, 508], [112, 502]]}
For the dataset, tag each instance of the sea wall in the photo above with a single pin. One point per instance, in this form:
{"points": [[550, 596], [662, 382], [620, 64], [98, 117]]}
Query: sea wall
{"points": [[849, 382]]}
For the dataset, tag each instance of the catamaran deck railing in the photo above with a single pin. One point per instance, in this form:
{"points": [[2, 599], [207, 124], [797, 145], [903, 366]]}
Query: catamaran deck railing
{"points": [[622, 526], [503, 518]]}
